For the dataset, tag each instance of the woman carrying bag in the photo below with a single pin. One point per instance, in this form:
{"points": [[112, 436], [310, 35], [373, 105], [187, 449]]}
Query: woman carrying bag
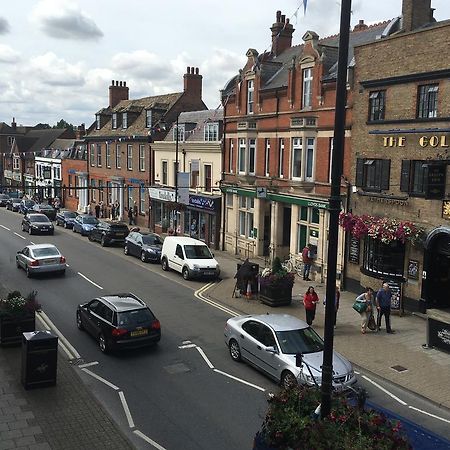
{"points": [[310, 301], [364, 305]]}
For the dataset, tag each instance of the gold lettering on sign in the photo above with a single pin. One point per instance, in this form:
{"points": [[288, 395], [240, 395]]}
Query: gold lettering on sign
{"points": [[434, 141], [391, 141], [401, 141], [444, 141], [389, 201], [423, 141]]}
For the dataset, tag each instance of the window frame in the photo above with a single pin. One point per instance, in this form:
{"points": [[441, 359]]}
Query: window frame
{"points": [[242, 156], [164, 172], [118, 157], [124, 120], [246, 211], [267, 157], [141, 157], [230, 156], [426, 110], [281, 148], [375, 252], [373, 179], [148, 118], [250, 96], [208, 179], [114, 121], [307, 82], [92, 155], [211, 132], [108, 156], [252, 156], [297, 146], [129, 156], [99, 155], [377, 105]]}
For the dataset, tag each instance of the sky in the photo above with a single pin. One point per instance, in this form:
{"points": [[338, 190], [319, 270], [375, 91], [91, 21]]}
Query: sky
{"points": [[58, 57]]}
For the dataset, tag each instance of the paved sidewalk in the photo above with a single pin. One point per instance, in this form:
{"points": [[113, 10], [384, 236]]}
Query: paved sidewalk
{"points": [[427, 370]]}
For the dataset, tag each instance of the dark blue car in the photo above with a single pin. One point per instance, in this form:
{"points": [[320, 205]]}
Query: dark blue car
{"points": [[65, 218], [84, 223]]}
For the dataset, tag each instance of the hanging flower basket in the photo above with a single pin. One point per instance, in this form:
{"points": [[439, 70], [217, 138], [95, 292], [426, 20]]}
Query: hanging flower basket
{"points": [[385, 229]]}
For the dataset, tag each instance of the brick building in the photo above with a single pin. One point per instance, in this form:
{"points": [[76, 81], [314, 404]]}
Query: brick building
{"points": [[119, 143], [279, 120], [400, 169]]}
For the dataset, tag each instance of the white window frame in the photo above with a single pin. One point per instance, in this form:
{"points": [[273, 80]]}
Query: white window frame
{"points": [[114, 121], [310, 164], [124, 120], [118, 157], [129, 157], [108, 156], [16, 162], [281, 157], [252, 153], [212, 131], [99, 155], [307, 82], [297, 146], [148, 118], [97, 121], [267, 158], [246, 213], [242, 156], [250, 96], [141, 158], [230, 156], [92, 155], [331, 146], [181, 133]]}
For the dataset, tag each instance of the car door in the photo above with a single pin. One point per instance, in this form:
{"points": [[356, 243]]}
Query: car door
{"points": [[250, 344], [23, 257], [139, 244], [91, 316], [269, 359], [26, 223], [177, 260], [132, 244]]}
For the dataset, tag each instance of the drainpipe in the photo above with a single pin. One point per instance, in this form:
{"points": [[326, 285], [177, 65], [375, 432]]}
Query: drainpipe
{"points": [[346, 239], [222, 179]]}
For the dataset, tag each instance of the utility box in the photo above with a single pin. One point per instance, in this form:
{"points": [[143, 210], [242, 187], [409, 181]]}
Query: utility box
{"points": [[39, 359]]}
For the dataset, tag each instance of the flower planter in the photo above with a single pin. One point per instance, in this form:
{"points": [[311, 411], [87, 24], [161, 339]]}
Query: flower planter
{"points": [[12, 327], [275, 295]]}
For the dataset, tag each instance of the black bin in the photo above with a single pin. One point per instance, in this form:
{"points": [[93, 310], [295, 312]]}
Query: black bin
{"points": [[39, 359]]}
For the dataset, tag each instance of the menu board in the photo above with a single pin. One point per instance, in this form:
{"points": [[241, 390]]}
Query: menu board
{"points": [[396, 289], [353, 252]]}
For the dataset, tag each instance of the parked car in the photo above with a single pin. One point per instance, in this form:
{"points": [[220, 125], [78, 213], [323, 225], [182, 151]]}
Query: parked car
{"points": [[41, 258], [109, 232], [48, 210], [13, 204], [4, 199], [119, 321], [83, 224], [35, 223], [191, 257], [26, 206], [146, 246], [273, 343], [65, 218]]}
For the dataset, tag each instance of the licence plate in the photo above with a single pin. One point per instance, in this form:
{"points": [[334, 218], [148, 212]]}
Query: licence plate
{"points": [[209, 272], [49, 261], [120, 234], [139, 332]]}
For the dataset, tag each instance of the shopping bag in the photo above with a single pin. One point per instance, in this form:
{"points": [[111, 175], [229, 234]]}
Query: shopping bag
{"points": [[371, 324], [359, 307]]}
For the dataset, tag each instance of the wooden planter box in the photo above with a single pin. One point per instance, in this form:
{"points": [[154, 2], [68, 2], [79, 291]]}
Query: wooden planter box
{"points": [[11, 328], [274, 296]]}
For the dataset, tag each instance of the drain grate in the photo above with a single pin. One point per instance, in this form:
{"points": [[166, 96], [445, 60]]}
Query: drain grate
{"points": [[177, 368], [399, 368]]}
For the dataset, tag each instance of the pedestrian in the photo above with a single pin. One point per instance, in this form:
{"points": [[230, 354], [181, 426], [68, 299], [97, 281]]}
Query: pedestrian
{"points": [[310, 301], [130, 215], [307, 261], [367, 299], [117, 209], [337, 297], [194, 228], [97, 211], [102, 209], [135, 212], [383, 301], [113, 211]]}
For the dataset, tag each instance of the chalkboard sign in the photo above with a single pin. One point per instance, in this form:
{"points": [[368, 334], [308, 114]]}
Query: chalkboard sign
{"points": [[435, 182], [353, 253], [396, 299]]}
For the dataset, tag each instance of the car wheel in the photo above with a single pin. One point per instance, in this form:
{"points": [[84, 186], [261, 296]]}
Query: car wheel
{"points": [[90, 237], [52, 233], [65, 225], [288, 380], [125, 249], [79, 322], [143, 257], [235, 350], [30, 231], [62, 272], [17, 263], [102, 343], [23, 227], [185, 273], [28, 272], [164, 264], [103, 241], [73, 229]]}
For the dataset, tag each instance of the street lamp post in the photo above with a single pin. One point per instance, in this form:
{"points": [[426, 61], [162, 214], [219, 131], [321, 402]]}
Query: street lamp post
{"points": [[335, 206], [175, 222]]}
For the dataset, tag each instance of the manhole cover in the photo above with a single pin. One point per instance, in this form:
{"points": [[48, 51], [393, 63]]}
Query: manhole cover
{"points": [[399, 368], [177, 368]]}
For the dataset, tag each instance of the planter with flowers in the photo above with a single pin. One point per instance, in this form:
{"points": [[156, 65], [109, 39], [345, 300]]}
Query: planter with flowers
{"points": [[17, 315], [275, 285], [290, 423]]}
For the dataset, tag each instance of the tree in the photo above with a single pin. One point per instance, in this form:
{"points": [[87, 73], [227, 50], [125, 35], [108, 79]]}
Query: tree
{"points": [[42, 126], [63, 124]]}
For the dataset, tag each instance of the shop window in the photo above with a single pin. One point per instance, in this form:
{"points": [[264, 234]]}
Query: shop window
{"points": [[373, 174], [314, 215], [383, 259], [307, 228], [377, 105], [427, 101], [307, 88], [250, 96], [246, 210], [208, 178]]}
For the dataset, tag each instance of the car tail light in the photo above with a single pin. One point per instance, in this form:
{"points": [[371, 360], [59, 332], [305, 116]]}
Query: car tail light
{"points": [[156, 325], [119, 332], [34, 263], [62, 260]]}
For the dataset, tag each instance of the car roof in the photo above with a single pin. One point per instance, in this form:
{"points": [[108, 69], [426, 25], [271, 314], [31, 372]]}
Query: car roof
{"points": [[280, 322], [183, 240], [124, 301], [36, 214], [113, 222], [36, 246]]}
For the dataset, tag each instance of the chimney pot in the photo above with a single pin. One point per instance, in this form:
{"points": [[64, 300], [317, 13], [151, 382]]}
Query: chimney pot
{"points": [[196, 71], [124, 84], [278, 16], [283, 18]]}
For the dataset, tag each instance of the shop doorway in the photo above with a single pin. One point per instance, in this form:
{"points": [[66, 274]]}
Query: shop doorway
{"points": [[266, 230]]}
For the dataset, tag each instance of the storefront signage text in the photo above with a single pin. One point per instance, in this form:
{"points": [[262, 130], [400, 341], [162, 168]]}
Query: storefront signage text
{"points": [[424, 141], [389, 201], [160, 194], [202, 202]]}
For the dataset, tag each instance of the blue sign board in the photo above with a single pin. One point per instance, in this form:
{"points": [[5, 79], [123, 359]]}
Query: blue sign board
{"points": [[200, 202]]}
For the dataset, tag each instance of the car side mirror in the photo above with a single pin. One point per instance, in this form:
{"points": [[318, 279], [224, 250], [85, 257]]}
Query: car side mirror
{"points": [[272, 349]]}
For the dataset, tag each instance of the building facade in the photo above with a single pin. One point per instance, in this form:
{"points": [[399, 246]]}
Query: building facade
{"points": [[74, 173]]}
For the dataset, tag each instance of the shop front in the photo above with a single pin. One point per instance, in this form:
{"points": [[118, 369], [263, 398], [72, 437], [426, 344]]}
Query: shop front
{"points": [[162, 210]]}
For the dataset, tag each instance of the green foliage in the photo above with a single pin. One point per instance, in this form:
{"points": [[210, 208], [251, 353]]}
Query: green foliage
{"points": [[16, 304], [276, 265], [63, 124]]}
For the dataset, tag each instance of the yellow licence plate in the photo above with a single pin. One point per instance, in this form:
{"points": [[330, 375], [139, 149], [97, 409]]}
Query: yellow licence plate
{"points": [[139, 332]]}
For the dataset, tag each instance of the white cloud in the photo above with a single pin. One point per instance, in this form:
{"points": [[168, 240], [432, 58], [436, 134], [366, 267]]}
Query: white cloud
{"points": [[8, 55], [63, 19], [4, 26]]}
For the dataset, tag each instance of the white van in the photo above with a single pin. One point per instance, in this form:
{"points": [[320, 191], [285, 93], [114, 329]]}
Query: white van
{"points": [[191, 257]]}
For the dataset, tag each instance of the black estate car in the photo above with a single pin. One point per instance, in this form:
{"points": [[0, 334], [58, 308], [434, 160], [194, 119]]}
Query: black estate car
{"points": [[37, 223], [4, 199], [119, 321], [109, 232], [48, 210], [146, 246]]}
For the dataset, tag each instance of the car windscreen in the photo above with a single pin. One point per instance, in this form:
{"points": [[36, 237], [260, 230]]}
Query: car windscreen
{"points": [[45, 251], [197, 252], [151, 240], [28, 203], [4, 197], [135, 318], [304, 340], [70, 215], [90, 220], [39, 218], [45, 207]]}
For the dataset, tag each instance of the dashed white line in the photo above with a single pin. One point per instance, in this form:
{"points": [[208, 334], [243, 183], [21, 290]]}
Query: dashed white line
{"points": [[126, 409], [18, 235], [99, 378], [240, 380], [6, 228], [385, 390], [90, 281], [147, 439], [93, 363], [205, 357]]}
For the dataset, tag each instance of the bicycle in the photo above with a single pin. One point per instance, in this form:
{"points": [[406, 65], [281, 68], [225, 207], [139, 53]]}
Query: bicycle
{"points": [[293, 264]]}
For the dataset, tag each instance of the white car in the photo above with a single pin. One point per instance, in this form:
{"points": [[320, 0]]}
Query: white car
{"points": [[41, 258], [276, 343]]}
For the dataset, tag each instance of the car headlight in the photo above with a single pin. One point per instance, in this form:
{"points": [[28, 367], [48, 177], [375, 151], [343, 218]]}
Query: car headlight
{"points": [[34, 226], [196, 267], [217, 268], [150, 250]]}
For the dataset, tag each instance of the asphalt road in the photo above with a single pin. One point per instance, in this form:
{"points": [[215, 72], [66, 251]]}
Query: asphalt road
{"points": [[176, 394]]}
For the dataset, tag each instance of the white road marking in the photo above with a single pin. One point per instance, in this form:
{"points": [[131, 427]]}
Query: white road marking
{"points": [[126, 409], [199, 294], [186, 342], [63, 347], [6, 228], [53, 327], [90, 281], [93, 363], [18, 235], [147, 439], [99, 378], [429, 414], [187, 346], [385, 391], [205, 357], [67, 265], [240, 380], [32, 243]]}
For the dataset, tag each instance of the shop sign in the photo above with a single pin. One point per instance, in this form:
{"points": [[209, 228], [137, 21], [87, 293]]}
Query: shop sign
{"points": [[435, 186], [261, 192], [424, 141], [396, 299], [446, 209], [389, 201], [314, 237], [8, 173], [161, 194], [17, 176], [439, 334], [354, 249], [206, 203]]}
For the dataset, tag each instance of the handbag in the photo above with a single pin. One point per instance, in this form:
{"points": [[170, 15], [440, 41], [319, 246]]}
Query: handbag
{"points": [[371, 325], [359, 307]]}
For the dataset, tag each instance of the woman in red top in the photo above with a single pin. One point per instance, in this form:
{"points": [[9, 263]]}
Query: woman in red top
{"points": [[310, 300]]}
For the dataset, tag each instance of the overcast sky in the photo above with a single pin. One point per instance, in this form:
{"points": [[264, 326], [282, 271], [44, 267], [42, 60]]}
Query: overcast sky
{"points": [[58, 57]]}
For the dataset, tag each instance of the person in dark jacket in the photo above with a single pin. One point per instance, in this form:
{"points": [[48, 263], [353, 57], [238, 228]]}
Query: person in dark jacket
{"points": [[307, 261], [130, 215], [383, 302]]}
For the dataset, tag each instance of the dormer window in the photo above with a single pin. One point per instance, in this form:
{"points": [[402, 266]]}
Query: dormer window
{"points": [[114, 121], [10, 140], [180, 129], [97, 121], [124, 120], [148, 118], [212, 132], [250, 96]]}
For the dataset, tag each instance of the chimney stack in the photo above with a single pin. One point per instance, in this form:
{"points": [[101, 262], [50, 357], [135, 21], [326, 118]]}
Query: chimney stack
{"points": [[80, 132], [14, 124], [193, 82], [415, 14], [282, 32], [117, 92], [360, 26]]}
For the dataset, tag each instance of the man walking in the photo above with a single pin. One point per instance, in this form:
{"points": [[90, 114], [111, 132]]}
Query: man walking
{"points": [[307, 261], [97, 211], [383, 302]]}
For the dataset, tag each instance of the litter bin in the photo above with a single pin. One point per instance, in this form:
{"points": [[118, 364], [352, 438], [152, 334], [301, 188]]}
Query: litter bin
{"points": [[39, 359]]}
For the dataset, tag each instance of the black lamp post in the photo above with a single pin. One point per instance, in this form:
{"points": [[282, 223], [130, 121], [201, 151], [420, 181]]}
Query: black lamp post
{"points": [[175, 222], [335, 206]]}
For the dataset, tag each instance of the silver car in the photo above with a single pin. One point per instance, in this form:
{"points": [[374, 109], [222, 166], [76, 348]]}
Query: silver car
{"points": [[276, 343], [41, 258]]}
